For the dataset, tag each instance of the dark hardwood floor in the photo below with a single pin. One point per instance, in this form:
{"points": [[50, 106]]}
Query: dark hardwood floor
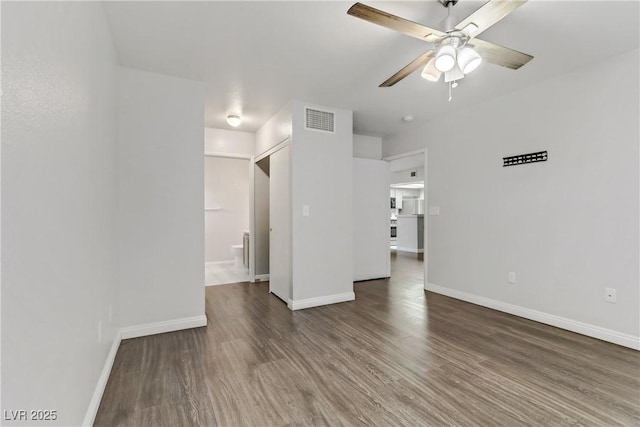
{"points": [[397, 355]]}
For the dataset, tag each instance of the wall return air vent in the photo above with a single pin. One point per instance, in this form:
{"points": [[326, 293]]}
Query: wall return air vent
{"points": [[319, 120], [521, 159]]}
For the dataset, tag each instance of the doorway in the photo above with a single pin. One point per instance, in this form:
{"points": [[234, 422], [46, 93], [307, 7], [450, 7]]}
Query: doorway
{"points": [[272, 221], [226, 202], [408, 218]]}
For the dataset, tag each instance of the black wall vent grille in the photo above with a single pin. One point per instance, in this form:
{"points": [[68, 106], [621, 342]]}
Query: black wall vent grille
{"points": [[521, 159]]}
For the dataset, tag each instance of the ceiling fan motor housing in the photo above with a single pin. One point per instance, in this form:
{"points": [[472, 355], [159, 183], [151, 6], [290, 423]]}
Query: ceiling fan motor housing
{"points": [[449, 22], [454, 40]]}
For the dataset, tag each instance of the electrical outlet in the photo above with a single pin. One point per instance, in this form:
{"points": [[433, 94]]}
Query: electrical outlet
{"points": [[110, 313], [512, 277], [610, 295], [99, 331]]}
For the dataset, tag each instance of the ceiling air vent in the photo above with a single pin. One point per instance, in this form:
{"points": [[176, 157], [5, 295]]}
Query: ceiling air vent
{"points": [[318, 120]]}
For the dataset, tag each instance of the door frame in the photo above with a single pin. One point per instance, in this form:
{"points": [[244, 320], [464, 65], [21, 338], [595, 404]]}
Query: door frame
{"points": [[426, 204], [272, 150], [288, 242], [252, 207], [251, 160]]}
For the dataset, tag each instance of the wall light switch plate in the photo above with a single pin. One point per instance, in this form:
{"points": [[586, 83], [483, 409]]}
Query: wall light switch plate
{"points": [[512, 277], [305, 210], [434, 210]]}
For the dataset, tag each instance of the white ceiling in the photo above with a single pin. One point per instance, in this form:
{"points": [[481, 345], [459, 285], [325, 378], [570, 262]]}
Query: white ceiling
{"points": [[256, 56]]}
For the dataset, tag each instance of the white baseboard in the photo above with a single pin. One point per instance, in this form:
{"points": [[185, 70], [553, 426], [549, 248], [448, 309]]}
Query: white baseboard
{"points": [[412, 250], [261, 278], [162, 327], [315, 302], [134, 332], [615, 337], [92, 411]]}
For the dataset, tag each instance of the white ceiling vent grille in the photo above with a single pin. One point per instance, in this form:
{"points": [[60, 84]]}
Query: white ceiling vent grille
{"points": [[319, 120]]}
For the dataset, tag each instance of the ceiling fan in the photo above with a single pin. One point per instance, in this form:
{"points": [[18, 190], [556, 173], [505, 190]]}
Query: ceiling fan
{"points": [[455, 51]]}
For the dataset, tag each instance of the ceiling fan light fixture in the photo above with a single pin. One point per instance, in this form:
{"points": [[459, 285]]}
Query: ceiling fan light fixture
{"points": [[449, 43], [446, 58], [234, 120], [453, 74], [468, 60], [430, 72]]}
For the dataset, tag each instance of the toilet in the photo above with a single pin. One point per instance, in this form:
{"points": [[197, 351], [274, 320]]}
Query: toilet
{"points": [[236, 251]]}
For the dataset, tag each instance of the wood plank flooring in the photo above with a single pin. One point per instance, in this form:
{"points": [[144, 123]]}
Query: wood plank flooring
{"points": [[397, 355]]}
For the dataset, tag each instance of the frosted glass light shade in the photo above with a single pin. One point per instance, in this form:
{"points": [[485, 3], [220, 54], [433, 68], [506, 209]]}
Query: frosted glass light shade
{"points": [[468, 60], [430, 72], [234, 120], [446, 58]]}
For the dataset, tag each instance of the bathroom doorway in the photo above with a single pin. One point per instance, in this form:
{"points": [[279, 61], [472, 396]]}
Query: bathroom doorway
{"points": [[227, 204]]}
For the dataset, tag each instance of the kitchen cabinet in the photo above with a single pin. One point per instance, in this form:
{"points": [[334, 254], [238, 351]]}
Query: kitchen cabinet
{"points": [[412, 207], [410, 233]]}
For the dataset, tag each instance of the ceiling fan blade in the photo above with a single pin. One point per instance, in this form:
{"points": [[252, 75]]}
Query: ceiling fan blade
{"points": [[393, 22], [500, 55], [408, 69], [490, 13]]}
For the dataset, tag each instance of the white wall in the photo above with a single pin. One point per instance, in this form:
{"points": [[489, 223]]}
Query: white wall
{"points": [[161, 206], [404, 176], [321, 177], [367, 147], [58, 205], [226, 186], [569, 226], [371, 220], [223, 141], [276, 130], [405, 162]]}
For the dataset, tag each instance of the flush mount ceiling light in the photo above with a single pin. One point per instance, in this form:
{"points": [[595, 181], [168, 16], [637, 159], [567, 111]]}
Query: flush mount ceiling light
{"points": [[454, 51], [234, 120]]}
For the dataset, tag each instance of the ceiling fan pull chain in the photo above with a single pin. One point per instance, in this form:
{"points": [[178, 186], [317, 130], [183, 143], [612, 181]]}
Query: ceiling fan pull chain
{"points": [[449, 91]]}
